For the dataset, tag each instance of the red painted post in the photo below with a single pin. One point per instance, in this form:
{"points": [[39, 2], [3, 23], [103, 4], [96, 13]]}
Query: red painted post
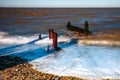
{"points": [[56, 41], [54, 45], [79, 34], [39, 36], [55, 36], [51, 33]]}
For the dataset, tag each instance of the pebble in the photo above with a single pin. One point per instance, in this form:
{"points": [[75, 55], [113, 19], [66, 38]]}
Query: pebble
{"points": [[15, 68]]}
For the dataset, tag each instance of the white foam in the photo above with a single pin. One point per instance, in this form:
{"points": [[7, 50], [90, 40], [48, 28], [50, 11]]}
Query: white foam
{"points": [[100, 42], [90, 62], [6, 39], [82, 61]]}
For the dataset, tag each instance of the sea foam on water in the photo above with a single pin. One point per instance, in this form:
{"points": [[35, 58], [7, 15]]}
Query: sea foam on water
{"points": [[91, 62]]}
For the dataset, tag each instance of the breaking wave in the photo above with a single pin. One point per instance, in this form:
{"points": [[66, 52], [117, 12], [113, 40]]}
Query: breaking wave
{"points": [[100, 42], [90, 62], [5, 38]]}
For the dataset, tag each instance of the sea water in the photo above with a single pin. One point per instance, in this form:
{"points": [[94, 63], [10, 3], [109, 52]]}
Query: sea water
{"points": [[19, 32], [90, 62]]}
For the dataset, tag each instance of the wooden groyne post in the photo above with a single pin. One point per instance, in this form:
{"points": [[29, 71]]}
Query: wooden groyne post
{"points": [[40, 36], [86, 28], [47, 48], [50, 33], [79, 34], [54, 44]]}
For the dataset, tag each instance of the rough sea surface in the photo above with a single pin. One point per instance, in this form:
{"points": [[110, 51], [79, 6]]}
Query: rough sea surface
{"points": [[23, 21]]}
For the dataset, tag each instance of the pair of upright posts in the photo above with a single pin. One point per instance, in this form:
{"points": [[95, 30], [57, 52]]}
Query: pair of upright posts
{"points": [[53, 36]]}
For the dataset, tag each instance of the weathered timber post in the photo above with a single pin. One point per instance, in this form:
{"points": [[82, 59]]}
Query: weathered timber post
{"points": [[39, 36], [50, 33], [86, 28], [54, 45], [47, 48], [68, 24]]}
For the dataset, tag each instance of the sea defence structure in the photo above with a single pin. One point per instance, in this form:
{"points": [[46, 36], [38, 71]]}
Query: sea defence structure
{"points": [[78, 29], [50, 33], [54, 36], [39, 36], [74, 28], [86, 28], [54, 45]]}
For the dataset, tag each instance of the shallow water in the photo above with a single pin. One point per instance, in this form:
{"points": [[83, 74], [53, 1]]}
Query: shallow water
{"points": [[91, 62], [19, 32]]}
